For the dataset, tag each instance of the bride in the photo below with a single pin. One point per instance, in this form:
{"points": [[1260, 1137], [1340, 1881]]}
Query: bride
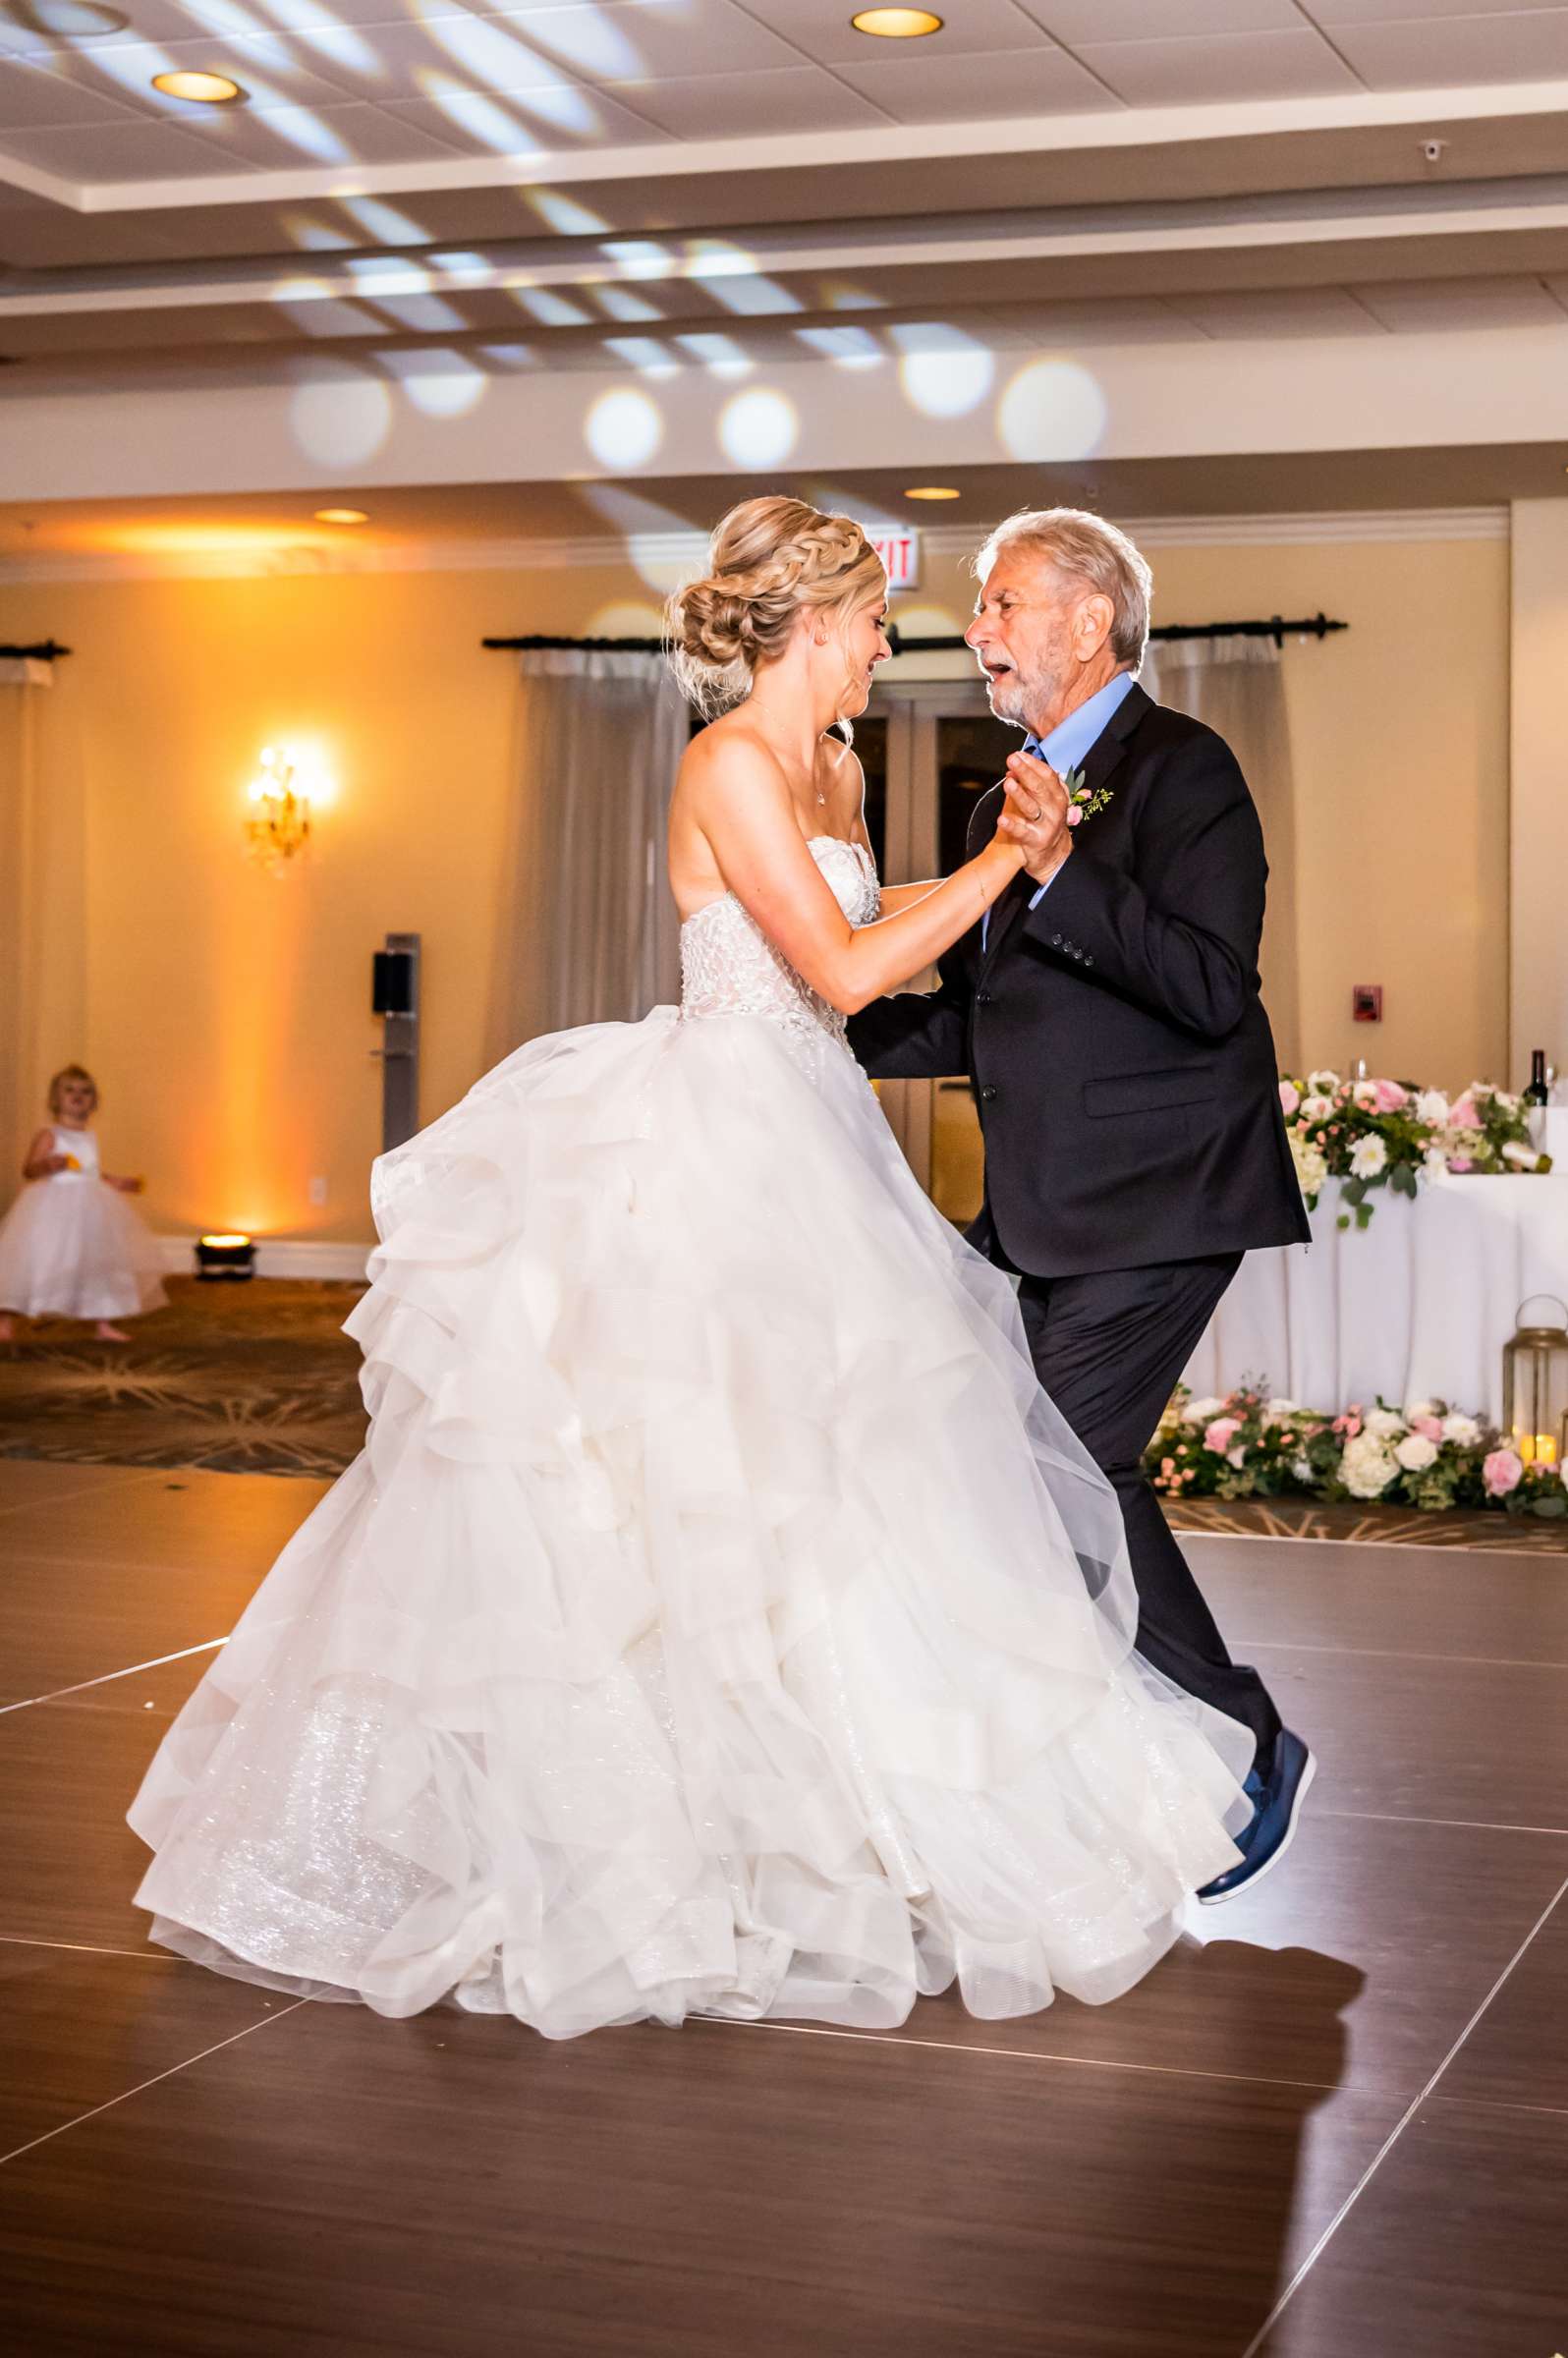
{"points": [[719, 1618]]}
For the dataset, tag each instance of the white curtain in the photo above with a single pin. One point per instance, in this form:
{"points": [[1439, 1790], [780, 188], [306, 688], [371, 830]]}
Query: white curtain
{"points": [[42, 952], [587, 928], [1237, 687]]}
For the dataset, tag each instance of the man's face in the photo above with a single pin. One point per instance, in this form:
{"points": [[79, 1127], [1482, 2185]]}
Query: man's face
{"points": [[1022, 633]]}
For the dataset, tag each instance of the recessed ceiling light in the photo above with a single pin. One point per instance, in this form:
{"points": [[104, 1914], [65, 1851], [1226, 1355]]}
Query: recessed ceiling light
{"points": [[932, 492], [896, 24], [341, 516], [203, 90], [64, 19]]}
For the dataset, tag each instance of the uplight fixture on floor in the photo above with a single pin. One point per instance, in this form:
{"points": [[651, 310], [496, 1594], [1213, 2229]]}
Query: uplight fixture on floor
{"points": [[279, 825], [225, 1253]]}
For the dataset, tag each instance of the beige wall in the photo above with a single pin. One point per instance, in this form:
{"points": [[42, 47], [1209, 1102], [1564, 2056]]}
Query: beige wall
{"points": [[227, 1010], [1540, 960]]}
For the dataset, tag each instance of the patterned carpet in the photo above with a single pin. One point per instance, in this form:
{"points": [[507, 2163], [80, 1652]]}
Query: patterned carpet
{"points": [[258, 1378], [243, 1379]]}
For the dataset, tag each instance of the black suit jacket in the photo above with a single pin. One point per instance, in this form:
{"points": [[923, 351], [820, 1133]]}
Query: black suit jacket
{"points": [[1115, 1034]]}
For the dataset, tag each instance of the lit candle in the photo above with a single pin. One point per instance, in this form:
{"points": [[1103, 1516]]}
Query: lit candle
{"points": [[1546, 1449]]}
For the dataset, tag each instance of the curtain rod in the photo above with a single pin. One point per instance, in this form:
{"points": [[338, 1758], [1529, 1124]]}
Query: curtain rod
{"points": [[1315, 626], [46, 652]]}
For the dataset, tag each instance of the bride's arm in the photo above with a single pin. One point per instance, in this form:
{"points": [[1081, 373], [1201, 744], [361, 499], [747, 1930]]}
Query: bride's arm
{"points": [[898, 897], [741, 801]]}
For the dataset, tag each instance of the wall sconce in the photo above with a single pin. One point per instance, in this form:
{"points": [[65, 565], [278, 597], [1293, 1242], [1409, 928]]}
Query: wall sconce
{"points": [[279, 825]]}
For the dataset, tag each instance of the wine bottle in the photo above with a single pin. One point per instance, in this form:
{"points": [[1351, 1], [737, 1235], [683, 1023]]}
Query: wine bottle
{"points": [[1536, 1093]]}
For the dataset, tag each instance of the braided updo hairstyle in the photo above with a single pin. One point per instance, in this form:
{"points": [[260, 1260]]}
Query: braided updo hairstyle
{"points": [[769, 558]]}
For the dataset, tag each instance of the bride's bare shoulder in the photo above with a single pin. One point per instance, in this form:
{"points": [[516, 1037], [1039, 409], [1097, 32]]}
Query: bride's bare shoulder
{"points": [[731, 756]]}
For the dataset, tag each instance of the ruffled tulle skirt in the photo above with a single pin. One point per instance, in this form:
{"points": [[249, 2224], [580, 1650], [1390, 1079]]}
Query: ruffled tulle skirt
{"points": [[719, 1618], [70, 1247]]}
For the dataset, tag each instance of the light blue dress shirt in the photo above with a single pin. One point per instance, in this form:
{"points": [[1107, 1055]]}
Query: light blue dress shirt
{"points": [[1068, 745]]}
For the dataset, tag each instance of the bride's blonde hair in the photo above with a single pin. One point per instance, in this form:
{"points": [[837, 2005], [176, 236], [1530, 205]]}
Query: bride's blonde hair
{"points": [[769, 558]]}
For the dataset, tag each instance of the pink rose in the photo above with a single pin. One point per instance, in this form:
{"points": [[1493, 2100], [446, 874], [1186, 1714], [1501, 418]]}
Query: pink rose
{"points": [[1430, 1426], [1074, 814], [1349, 1425], [1502, 1472], [1218, 1436], [1462, 1114], [1289, 1099], [1391, 1099]]}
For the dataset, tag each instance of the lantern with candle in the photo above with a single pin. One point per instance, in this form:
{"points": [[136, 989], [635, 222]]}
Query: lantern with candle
{"points": [[1535, 1375]]}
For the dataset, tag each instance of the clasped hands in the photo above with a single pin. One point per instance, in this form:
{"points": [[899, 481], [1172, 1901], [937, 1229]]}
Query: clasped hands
{"points": [[1034, 818]]}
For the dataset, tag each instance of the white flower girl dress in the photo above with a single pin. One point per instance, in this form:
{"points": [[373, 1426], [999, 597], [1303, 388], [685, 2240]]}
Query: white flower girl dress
{"points": [[719, 1618], [70, 1247]]}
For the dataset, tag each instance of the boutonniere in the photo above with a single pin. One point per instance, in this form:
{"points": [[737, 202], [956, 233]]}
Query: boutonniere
{"points": [[1081, 804]]}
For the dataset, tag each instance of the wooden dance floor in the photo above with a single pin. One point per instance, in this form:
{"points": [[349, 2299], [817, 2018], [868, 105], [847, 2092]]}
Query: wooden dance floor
{"points": [[1333, 2124]]}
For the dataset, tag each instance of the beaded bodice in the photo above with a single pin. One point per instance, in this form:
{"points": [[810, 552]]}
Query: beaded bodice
{"points": [[729, 966]]}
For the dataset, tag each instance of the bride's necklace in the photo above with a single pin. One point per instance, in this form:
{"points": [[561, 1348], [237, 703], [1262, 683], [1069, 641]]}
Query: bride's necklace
{"points": [[822, 799]]}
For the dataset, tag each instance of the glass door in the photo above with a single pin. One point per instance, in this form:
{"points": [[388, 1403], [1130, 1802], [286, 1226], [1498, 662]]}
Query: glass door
{"points": [[929, 749]]}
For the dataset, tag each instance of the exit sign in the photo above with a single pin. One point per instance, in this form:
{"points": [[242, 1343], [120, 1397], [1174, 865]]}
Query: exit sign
{"points": [[900, 553]]}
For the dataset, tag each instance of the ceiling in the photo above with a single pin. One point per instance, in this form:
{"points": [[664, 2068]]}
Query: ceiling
{"points": [[650, 187]]}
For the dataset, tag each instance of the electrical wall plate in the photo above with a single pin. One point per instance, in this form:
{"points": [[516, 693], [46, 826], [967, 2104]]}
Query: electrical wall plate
{"points": [[1367, 1002]]}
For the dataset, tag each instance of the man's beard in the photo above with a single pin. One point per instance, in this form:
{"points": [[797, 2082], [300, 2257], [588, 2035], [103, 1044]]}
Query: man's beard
{"points": [[1015, 697]]}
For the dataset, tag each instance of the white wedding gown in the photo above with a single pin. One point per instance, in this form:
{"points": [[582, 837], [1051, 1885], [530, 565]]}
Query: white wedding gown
{"points": [[706, 1625]]}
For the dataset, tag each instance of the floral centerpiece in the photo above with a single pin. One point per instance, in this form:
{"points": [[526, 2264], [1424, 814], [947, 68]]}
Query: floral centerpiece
{"points": [[1371, 1133], [1254, 1445]]}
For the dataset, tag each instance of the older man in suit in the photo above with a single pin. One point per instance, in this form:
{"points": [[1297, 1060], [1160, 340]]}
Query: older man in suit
{"points": [[1108, 1013]]}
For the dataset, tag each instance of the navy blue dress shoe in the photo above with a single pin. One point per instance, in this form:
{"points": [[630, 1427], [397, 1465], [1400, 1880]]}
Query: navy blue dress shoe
{"points": [[1265, 1841]]}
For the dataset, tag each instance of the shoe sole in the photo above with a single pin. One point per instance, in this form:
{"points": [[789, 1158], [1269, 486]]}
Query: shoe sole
{"points": [[1218, 1899]]}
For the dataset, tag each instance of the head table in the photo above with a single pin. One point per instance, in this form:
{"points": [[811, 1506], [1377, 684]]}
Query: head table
{"points": [[1417, 1305]]}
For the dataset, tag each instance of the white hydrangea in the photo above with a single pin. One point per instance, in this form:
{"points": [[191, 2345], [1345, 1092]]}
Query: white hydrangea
{"points": [[1463, 1430], [1366, 1466], [1312, 1164], [1324, 1081], [1237, 1456], [1316, 1108], [1301, 1467], [1280, 1412], [1432, 1106], [1202, 1412], [1368, 1158], [1365, 1094], [1383, 1422], [1416, 1453]]}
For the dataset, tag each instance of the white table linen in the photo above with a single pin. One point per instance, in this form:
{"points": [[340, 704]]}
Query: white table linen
{"points": [[1417, 1305]]}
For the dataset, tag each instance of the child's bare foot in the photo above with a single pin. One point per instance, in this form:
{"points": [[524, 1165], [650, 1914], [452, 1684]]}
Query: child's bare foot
{"points": [[105, 1333]]}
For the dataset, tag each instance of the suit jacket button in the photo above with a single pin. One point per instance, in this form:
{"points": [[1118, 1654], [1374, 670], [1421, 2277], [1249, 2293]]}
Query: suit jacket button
{"points": [[983, 999], [1056, 941], [1089, 961], [989, 1092]]}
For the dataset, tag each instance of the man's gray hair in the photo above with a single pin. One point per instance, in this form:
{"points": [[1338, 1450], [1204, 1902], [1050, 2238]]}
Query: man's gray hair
{"points": [[1084, 548]]}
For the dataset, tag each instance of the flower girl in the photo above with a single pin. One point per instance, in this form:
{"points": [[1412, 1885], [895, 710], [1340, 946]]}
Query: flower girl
{"points": [[70, 1245]]}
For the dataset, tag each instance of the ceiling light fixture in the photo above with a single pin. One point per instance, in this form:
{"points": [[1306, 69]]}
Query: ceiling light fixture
{"points": [[201, 90], [341, 516], [64, 19], [896, 24], [932, 492]]}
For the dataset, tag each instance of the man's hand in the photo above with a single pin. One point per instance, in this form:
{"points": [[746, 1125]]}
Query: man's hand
{"points": [[1036, 816]]}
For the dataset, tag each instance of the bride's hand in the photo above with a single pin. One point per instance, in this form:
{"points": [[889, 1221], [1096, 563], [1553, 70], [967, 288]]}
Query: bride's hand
{"points": [[1035, 818]]}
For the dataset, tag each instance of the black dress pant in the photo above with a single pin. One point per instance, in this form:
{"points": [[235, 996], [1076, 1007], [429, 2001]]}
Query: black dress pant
{"points": [[1109, 1348]]}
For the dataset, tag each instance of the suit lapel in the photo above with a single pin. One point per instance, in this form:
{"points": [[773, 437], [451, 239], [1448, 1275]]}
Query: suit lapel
{"points": [[1099, 765]]}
